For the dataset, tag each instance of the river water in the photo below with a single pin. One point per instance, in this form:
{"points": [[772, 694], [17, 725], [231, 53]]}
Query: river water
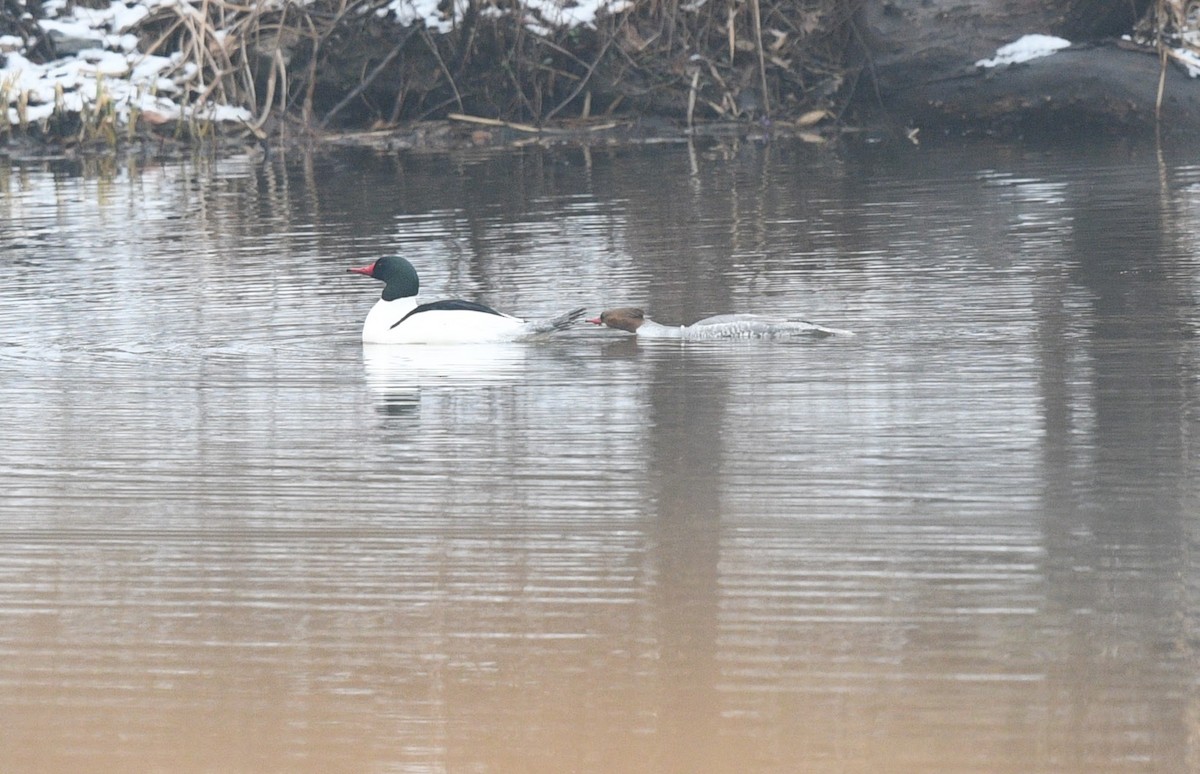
{"points": [[233, 539]]}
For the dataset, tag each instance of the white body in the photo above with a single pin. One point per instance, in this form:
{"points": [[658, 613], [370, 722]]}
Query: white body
{"points": [[736, 326], [455, 326]]}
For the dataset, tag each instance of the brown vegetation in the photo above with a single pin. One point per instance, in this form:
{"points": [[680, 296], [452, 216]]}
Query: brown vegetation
{"points": [[349, 63], [340, 64]]}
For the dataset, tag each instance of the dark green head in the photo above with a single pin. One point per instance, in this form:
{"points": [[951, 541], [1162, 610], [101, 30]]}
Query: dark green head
{"points": [[397, 274]]}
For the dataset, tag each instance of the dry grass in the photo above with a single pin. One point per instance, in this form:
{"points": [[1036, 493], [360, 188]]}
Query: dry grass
{"points": [[337, 60], [343, 62]]}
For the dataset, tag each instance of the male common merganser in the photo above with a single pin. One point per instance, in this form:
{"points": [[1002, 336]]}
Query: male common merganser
{"points": [[397, 318], [722, 326]]}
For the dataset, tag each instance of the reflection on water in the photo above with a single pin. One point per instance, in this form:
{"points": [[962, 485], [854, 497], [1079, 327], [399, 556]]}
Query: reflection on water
{"points": [[399, 375], [234, 538]]}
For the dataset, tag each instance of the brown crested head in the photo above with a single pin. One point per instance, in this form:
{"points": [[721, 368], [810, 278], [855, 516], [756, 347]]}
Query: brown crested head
{"points": [[626, 318]]}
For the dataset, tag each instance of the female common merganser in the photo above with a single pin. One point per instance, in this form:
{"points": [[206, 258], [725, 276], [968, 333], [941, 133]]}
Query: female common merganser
{"points": [[722, 326], [397, 318]]}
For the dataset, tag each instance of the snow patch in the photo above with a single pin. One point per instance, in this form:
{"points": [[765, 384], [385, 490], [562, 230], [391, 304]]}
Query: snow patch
{"points": [[1023, 49], [1189, 59], [104, 65], [539, 16]]}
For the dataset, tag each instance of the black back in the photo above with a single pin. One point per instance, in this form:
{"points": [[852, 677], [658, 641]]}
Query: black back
{"points": [[447, 306]]}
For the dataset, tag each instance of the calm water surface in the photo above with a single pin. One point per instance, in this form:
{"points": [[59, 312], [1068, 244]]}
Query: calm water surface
{"points": [[234, 539]]}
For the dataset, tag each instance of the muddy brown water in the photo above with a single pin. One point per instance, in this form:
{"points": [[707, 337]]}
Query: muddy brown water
{"points": [[234, 539]]}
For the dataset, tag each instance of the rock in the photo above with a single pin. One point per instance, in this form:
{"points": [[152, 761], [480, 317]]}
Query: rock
{"points": [[921, 56], [69, 41]]}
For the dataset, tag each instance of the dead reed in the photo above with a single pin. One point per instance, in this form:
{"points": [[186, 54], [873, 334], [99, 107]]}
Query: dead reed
{"points": [[350, 63]]}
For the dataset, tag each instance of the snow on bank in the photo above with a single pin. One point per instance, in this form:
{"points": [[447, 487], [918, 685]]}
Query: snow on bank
{"points": [[540, 16], [104, 62], [105, 65], [1189, 59], [1023, 49], [1036, 46]]}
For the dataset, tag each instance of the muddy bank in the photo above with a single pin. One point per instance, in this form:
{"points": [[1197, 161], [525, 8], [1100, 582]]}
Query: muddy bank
{"points": [[482, 75], [1103, 89], [920, 63]]}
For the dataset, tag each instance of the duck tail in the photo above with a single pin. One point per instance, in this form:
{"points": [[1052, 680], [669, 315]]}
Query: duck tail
{"points": [[823, 331], [558, 323]]}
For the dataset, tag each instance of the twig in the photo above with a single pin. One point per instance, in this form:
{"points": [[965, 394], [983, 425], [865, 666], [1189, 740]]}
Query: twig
{"points": [[1160, 27], [762, 63], [493, 122], [555, 47], [583, 81], [306, 108], [278, 71], [526, 128], [870, 60], [731, 31], [1162, 82], [360, 88], [692, 97], [445, 70], [435, 108]]}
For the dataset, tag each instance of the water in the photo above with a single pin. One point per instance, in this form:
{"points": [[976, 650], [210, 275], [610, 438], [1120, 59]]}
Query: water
{"points": [[234, 539]]}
